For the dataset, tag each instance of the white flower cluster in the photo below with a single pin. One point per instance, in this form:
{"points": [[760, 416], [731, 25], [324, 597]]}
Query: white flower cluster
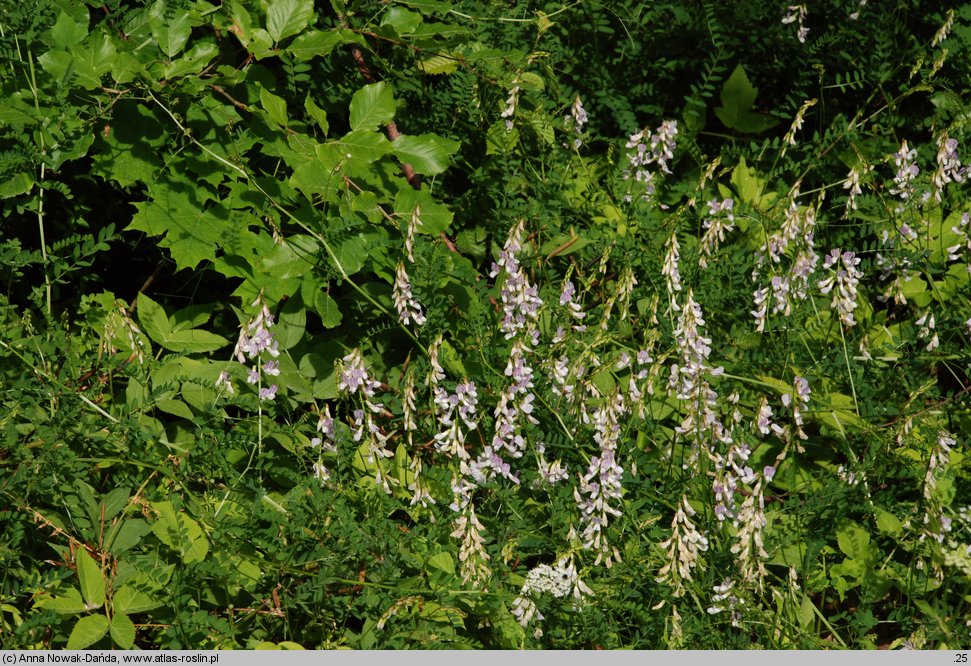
{"points": [[844, 276], [963, 230], [794, 14], [575, 121], [558, 581], [602, 484], [254, 339], [406, 305], [949, 168], [520, 299], [720, 221], [646, 148], [907, 171], [683, 549]]}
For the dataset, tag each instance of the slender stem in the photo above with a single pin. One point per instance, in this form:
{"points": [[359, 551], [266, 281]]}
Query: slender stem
{"points": [[849, 371]]}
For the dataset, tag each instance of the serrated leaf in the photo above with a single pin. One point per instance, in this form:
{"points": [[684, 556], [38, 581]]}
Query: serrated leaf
{"points": [[193, 62], [190, 231], [275, 107], [122, 631], [285, 18], [67, 32], [169, 26], [372, 106], [428, 154], [88, 630]]}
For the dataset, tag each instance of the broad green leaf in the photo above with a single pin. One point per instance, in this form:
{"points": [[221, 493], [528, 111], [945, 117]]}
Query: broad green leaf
{"points": [[403, 21], [175, 408], [314, 43], [854, 541], [428, 154], [127, 536], [180, 532], [366, 145], [191, 231], [441, 562], [276, 107], [435, 217], [122, 631], [88, 630], [67, 32], [285, 18], [153, 319], [115, 501], [888, 523], [737, 97], [170, 26], [318, 114], [92, 579], [15, 185], [68, 603], [372, 106], [130, 599], [501, 140], [326, 307], [291, 323], [194, 60], [352, 253], [438, 64]]}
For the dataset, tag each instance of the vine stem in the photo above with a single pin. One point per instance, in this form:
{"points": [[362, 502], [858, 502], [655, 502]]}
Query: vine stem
{"points": [[849, 371]]}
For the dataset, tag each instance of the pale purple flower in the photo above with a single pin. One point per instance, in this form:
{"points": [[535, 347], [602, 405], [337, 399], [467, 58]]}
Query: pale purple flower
{"points": [[268, 393]]}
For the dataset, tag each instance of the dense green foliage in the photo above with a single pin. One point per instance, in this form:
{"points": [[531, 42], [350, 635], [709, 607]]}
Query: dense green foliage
{"points": [[420, 323]]}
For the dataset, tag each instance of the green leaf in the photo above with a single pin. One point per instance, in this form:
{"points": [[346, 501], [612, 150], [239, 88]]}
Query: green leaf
{"points": [[428, 154], [326, 307], [88, 630], [888, 523], [318, 114], [170, 27], [68, 603], [435, 217], [441, 562], [288, 17], [122, 631], [276, 107], [291, 323], [194, 341], [129, 599], [92, 579], [314, 43], [438, 64], [371, 106], [193, 62], [67, 32], [366, 145], [153, 319], [180, 532], [737, 97], [15, 185], [190, 231], [403, 21], [129, 533], [854, 541], [501, 141]]}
